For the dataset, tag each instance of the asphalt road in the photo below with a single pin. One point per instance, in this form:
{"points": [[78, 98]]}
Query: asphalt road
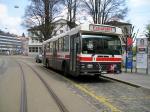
{"points": [[83, 94], [31, 93]]}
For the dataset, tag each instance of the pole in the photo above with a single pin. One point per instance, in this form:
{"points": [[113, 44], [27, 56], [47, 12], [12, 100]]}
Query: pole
{"points": [[126, 54], [136, 58], [147, 59], [132, 58]]}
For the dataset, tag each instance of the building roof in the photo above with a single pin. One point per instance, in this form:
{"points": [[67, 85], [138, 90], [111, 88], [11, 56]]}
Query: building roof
{"points": [[7, 34]]}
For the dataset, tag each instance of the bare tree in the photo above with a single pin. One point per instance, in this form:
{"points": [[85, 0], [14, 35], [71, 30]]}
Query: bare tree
{"points": [[71, 6], [103, 11], [39, 17]]}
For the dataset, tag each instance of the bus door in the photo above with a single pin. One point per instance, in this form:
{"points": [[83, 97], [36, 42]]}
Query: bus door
{"points": [[73, 52]]}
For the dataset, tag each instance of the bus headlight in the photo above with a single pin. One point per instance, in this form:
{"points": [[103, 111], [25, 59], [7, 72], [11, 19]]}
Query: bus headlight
{"points": [[89, 66], [82, 65]]}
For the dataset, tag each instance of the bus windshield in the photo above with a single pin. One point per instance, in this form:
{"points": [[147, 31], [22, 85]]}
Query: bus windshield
{"points": [[101, 44]]}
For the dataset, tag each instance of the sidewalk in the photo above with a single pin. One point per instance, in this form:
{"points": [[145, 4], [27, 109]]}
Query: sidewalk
{"points": [[135, 79]]}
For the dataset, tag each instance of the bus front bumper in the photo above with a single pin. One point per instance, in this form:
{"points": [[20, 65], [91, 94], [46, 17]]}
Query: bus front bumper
{"points": [[99, 68]]}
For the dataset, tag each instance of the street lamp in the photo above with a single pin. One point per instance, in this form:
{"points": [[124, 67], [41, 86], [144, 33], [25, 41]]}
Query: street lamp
{"points": [[16, 6]]}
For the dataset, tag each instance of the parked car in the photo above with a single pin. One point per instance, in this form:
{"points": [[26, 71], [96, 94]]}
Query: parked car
{"points": [[38, 58]]}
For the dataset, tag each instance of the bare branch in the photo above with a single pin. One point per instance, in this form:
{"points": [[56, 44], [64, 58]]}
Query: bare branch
{"points": [[104, 10], [40, 15]]}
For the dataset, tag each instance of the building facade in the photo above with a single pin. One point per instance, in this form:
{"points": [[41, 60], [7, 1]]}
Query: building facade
{"points": [[10, 45], [34, 46], [61, 27]]}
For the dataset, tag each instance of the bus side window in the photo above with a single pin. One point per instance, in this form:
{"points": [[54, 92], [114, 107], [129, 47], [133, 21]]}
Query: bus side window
{"points": [[57, 45], [51, 47], [66, 43], [61, 44], [47, 47], [54, 46]]}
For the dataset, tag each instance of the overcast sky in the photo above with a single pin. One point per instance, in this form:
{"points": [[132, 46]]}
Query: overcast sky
{"points": [[11, 18], [139, 14]]}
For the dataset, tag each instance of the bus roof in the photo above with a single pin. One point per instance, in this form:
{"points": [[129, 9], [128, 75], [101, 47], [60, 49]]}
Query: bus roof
{"points": [[101, 29], [89, 28]]}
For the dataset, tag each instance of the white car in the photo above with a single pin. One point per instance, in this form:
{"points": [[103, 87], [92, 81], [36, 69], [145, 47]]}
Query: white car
{"points": [[38, 58]]}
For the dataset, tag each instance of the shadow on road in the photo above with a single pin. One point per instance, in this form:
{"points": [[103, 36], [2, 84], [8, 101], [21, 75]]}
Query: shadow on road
{"points": [[80, 79], [89, 79]]}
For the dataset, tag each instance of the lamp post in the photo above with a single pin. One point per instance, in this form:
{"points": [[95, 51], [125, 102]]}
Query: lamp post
{"points": [[16, 6]]}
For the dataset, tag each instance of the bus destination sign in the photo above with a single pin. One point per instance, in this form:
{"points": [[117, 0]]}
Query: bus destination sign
{"points": [[100, 28]]}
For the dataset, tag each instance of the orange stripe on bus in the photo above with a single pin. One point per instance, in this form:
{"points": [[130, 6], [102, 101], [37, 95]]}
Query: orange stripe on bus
{"points": [[85, 58], [99, 59], [108, 59]]}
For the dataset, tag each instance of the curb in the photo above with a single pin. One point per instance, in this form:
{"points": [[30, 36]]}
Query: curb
{"points": [[121, 81]]}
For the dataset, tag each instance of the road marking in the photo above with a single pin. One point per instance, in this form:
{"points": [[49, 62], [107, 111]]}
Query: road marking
{"points": [[101, 99]]}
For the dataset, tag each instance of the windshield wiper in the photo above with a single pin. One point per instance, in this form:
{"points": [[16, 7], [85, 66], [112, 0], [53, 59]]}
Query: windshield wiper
{"points": [[93, 54]]}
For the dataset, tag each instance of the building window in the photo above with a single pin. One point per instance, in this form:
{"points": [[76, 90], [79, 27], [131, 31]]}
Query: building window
{"points": [[61, 44], [30, 49], [56, 45], [51, 47], [33, 49], [36, 49], [66, 43], [61, 31], [48, 47]]}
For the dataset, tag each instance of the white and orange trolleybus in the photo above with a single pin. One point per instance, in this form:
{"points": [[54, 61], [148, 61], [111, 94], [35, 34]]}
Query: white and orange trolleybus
{"points": [[88, 49]]}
